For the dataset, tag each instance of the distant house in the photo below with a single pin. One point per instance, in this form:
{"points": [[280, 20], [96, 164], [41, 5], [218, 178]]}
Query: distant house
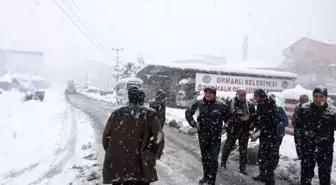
{"points": [[28, 62], [311, 60]]}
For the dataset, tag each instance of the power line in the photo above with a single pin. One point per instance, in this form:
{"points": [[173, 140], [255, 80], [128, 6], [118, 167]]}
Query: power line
{"points": [[78, 18], [78, 27], [74, 3]]}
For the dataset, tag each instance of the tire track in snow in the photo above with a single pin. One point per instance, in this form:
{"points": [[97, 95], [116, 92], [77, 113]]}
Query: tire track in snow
{"points": [[70, 149]]}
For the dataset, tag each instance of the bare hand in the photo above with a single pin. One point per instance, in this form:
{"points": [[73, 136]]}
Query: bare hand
{"points": [[223, 132], [244, 118], [197, 126]]}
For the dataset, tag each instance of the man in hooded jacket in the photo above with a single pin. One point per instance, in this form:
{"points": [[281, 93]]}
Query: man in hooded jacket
{"points": [[267, 129], [238, 126], [131, 141], [212, 114], [318, 122]]}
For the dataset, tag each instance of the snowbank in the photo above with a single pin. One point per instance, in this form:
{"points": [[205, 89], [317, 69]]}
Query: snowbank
{"points": [[296, 92], [42, 140], [107, 99]]}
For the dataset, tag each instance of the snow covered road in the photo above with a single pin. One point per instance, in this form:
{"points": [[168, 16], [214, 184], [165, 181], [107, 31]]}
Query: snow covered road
{"points": [[180, 163], [41, 142]]}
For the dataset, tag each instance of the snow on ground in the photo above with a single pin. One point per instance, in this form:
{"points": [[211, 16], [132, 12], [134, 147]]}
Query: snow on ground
{"points": [[40, 142], [109, 98]]}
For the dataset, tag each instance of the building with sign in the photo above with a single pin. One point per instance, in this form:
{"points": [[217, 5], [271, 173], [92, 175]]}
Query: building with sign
{"points": [[168, 77]]}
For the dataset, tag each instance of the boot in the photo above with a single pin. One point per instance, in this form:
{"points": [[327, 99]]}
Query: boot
{"points": [[259, 178], [203, 181]]}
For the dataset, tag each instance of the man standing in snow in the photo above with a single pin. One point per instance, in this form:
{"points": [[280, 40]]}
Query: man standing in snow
{"points": [[317, 121], [159, 105], [130, 139], [212, 113], [239, 124], [266, 129], [297, 127]]}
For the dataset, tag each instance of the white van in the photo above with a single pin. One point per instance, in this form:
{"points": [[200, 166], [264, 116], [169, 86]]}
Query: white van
{"points": [[122, 87]]}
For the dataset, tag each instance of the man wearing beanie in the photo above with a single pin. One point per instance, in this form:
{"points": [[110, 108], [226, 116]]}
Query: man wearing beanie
{"points": [[266, 130], [125, 139], [317, 121], [212, 114]]}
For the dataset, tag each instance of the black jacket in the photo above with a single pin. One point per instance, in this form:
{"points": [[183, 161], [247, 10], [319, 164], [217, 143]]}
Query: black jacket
{"points": [[236, 108], [211, 117], [266, 118], [317, 123]]}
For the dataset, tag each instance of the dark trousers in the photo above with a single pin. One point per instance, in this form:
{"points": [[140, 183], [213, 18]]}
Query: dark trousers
{"points": [[297, 140], [277, 154], [267, 156], [130, 183], [324, 159], [228, 146], [209, 151]]}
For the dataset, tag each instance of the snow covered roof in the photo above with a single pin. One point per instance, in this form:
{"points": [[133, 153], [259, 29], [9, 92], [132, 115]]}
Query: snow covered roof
{"points": [[296, 92], [27, 77], [6, 78], [187, 81], [126, 80], [227, 69]]}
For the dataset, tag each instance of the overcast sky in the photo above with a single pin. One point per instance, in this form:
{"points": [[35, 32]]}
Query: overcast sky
{"points": [[166, 29]]}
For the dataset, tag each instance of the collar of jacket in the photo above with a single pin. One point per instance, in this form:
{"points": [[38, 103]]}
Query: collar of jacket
{"points": [[206, 102]]}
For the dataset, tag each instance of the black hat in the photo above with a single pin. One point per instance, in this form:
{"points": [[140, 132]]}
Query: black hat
{"points": [[321, 90], [133, 94], [261, 93], [210, 89]]}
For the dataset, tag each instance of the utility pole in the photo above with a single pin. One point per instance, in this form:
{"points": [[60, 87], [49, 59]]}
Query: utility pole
{"points": [[117, 50]]}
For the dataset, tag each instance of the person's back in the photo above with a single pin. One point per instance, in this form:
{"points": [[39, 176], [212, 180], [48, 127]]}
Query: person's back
{"points": [[130, 153]]}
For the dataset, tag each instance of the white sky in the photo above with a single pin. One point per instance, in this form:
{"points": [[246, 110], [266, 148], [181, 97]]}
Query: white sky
{"points": [[166, 29]]}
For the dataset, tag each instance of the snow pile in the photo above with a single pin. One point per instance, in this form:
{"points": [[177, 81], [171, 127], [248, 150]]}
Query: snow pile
{"points": [[41, 141], [296, 92], [187, 81], [109, 99]]}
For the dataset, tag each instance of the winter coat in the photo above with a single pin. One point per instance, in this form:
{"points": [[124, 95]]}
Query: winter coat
{"points": [[160, 108], [211, 115], [283, 122], [317, 123], [295, 119], [130, 140], [235, 109], [266, 118]]}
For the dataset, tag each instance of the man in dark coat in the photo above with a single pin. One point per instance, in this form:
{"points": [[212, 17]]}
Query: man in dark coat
{"points": [[159, 105], [130, 139], [239, 124], [266, 130], [317, 121], [211, 115], [297, 129]]}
